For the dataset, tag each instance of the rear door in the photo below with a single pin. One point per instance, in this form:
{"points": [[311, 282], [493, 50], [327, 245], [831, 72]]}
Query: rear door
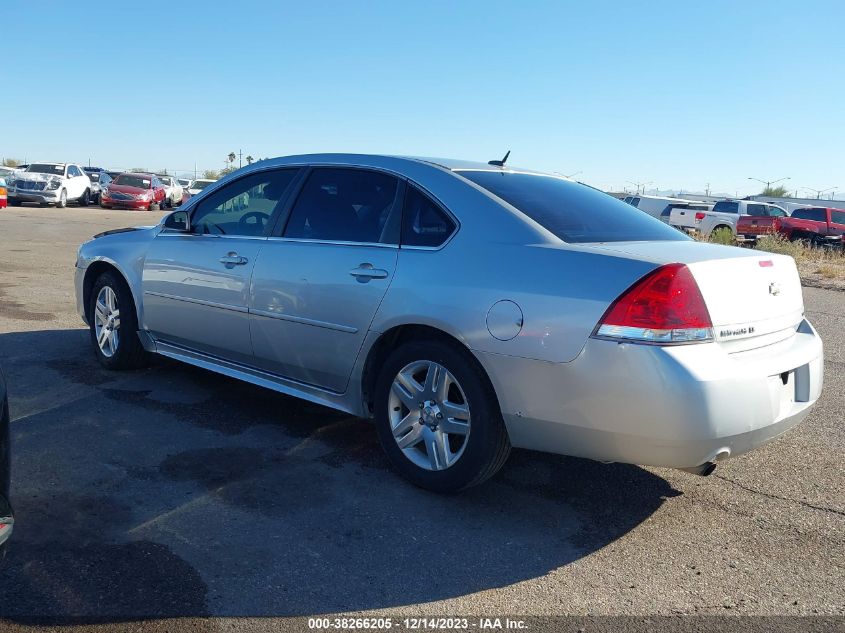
{"points": [[837, 222], [321, 277], [196, 285]]}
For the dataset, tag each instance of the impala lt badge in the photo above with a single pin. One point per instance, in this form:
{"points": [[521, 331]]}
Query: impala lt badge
{"points": [[774, 288]]}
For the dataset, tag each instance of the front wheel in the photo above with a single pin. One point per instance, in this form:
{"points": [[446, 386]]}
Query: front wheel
{"points": [[62, 203], [438, 418], [114, 324]]}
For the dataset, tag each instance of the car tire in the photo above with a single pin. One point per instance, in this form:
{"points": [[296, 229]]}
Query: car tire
{"points": [[154, 207], [62, 201], [480, 446], [85, 198], [121, 347]]}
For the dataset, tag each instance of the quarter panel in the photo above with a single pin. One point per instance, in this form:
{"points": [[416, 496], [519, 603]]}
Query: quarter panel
{"points": [[562, 293]]}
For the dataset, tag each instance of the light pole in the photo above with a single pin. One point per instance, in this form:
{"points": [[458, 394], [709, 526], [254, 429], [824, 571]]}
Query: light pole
{"points": [[819, 192], [769, 183], [639, 184]]}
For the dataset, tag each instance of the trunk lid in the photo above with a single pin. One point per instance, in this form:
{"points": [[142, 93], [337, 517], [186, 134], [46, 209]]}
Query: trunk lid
{"points": [[754, 298]]}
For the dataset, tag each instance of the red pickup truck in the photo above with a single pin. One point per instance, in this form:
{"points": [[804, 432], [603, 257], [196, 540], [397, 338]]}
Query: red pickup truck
{"points": [[818, 225]]}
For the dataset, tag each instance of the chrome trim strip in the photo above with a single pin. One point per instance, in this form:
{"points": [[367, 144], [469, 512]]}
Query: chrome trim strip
{"points": [[334, 242], [202, 302], [175, 232], [255, 376], [295, 319]]}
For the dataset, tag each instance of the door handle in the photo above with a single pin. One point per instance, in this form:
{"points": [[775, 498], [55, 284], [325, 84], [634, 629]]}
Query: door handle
{"points": [[233, 259], [365, 272]]}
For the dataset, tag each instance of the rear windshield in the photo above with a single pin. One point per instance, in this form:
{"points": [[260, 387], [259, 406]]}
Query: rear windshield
{"points": [[725, 206], [818, 215], [128, 180], [573, 212], [201, 184]]}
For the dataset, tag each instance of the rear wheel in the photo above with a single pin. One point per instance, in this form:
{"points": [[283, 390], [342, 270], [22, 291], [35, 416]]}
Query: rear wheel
{"points": [[437, 417], [114, 324], [85, 199]]}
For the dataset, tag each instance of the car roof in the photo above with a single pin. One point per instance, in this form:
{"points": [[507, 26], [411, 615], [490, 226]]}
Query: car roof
{"points": [[396, 161]]}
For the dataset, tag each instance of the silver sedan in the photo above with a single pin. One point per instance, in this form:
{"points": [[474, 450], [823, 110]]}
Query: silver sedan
{"points": [[466, 308]]}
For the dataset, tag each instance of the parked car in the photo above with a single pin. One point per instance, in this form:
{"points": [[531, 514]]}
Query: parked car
{"points": [[134, 191], [816, 225], [7, 518], [173, 191], [467, 308], [185, 182], [3, 195], [51, 183], [759, 222], [199, 184], [8, 173], [724, 215], [100, 179], [655, 205], [688, 207]]}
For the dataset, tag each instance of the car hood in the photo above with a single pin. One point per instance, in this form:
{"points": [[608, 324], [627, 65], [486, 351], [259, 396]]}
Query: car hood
{"points": [[127, 189], [36, 176]]}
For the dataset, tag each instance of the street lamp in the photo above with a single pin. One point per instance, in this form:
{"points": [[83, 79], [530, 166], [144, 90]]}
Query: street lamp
{"points": [[639, 184], [819, 192], [769, 183]]}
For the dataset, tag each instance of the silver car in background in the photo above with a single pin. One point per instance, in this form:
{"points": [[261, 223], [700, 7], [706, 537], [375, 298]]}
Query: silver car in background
{"points": [[467, 308]]}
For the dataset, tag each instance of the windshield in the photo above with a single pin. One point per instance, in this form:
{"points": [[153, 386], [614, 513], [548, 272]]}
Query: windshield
{"points": [[573, 212], [130, 180], [201, 184], [46, 168]]}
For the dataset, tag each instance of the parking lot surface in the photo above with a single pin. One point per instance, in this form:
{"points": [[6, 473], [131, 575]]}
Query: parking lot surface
{"points": [[174, 492]]}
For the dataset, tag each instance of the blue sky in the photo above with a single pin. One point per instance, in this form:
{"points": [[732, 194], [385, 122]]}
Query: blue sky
{"points": [[677, 93]]}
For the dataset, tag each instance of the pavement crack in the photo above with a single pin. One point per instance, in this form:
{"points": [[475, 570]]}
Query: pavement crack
{"points": [[806, 504]]}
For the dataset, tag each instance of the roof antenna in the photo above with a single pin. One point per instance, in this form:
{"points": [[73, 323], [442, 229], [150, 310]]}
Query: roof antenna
{"points": [[500, 163]]}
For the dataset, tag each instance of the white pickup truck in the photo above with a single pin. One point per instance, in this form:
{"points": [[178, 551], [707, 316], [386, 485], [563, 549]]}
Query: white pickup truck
{"points": [[51, 183], [724, 215]]}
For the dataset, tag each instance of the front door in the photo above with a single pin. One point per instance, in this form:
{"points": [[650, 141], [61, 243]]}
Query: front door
{"points": [[196, 285], [316, 288]]}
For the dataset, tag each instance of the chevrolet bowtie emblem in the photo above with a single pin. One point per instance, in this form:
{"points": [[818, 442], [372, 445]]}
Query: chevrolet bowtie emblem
{"points": [[774, 288]]}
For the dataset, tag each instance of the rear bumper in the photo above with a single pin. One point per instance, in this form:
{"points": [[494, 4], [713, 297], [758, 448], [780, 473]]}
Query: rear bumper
{"points": [[676, 406]]}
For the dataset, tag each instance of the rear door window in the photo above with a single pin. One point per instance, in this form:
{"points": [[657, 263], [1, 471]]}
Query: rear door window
{"points": [[837, 217], [571, 211], [346, 205]]}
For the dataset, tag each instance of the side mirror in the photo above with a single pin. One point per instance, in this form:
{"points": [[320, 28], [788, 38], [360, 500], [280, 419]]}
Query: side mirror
{"points": [[178, 221]]}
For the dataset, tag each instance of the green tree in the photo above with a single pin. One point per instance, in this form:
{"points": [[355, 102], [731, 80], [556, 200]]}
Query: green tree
{"points": [[249, 160], [211, 174], [139, 170], [776, 192], [11, 162]]}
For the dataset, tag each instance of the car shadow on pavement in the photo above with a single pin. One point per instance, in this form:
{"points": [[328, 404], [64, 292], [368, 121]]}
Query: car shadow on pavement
{"points": [[172, 491]]}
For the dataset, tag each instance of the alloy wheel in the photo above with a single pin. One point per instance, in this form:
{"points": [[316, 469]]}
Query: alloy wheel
{"points": [[429, 415], [107, 322]]}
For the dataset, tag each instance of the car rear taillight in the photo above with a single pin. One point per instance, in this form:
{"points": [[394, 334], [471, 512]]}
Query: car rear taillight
{"points": [[663, 307], [699, 216]]}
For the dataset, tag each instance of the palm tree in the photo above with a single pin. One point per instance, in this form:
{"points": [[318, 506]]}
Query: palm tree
{"points": [[249, 160], [232, 157]]}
